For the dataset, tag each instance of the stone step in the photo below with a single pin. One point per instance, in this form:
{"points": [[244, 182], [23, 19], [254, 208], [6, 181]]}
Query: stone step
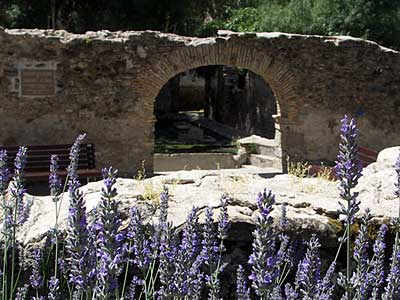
{"points": [[265, 161]]}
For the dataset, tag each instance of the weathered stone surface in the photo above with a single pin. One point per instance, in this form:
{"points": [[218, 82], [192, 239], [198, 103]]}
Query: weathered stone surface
{"points": [[389, 155], [312, 202], [106, 83]]}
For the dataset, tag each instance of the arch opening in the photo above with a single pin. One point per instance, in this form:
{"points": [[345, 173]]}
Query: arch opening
{"points": [[216, 116]]}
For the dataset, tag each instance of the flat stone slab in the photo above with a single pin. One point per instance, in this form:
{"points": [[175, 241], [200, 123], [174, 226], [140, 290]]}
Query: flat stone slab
{"points": [[312, 203]]}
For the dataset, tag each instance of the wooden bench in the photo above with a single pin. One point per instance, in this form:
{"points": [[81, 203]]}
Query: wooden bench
{"points": [[367, 156], [38, 161]]}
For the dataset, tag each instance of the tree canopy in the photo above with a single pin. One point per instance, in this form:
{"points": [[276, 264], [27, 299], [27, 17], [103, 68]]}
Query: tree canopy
{"points": [[378, 20]]}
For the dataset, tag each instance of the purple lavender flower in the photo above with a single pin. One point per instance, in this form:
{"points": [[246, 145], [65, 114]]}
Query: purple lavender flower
{"points": [[168, 254], [348, 171], [283, 263], [164, 199], [22, 292], [54, 286], [308, 273], [79, 246], [131, 294], [211, 251], [17, 189], [359, 279], [392, 289], [181, 266], [139, 241], [54, 180], [397, 183], [242, 291], [210, 248], [223, 222], [283, 221], [74, 157], [348, 168], [377, 274], [4, 173], [188, 262], [36, 278], [77, 242], [290, 292], [5, 205], [276, 293], [326, 286], [263, 261], [110, 252]]}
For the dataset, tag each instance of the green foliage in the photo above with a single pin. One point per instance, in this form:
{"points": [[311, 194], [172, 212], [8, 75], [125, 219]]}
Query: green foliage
{"points": [[243, 19], [378, 20]]}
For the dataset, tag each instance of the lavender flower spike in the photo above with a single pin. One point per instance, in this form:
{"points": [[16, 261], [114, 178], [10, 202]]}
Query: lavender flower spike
{"points": [[360, 255], [223, 222], [326, 286], [74, 157], [242, 291], [397, 183], [78, 246], [377, 274], [54, 180], [348, 170], [263, 261], [54, 286], [308, 273], [17, 189], [36, 278], [22, 292], [4, 173], [392, 290], [139, 241], [110, 251]]}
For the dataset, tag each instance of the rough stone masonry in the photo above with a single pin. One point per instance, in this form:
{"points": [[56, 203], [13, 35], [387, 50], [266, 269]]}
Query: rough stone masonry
{"points": [[54, 85]]}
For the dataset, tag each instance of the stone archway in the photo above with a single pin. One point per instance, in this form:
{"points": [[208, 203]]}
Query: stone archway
{"points": [[225, 52]]}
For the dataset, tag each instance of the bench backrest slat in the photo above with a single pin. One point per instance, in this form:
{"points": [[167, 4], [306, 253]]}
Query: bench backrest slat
{"points": [[38, 156], [367, 156]]}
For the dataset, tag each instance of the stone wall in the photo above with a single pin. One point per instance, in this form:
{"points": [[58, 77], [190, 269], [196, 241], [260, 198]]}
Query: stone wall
{"points": [[54, 84]]}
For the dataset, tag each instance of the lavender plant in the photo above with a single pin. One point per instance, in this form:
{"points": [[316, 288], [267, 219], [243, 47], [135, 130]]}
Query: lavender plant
{"points": [[348, 171], [80, 250], [55, 185], [110, 249], [160, 264], [359, 279], [392, 289], [212, 251], [54, 286], [4, 180], [262, 259], [242, 291], [18, 209], [181, 263], [377, 273], [36, 278], [308, 273]]}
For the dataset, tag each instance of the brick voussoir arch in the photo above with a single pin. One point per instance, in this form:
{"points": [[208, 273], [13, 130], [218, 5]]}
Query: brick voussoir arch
{"points": [[277, 74]]}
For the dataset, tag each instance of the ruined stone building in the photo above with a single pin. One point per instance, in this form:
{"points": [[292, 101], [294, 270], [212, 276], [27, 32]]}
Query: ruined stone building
{"points": [[54, 85]]}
